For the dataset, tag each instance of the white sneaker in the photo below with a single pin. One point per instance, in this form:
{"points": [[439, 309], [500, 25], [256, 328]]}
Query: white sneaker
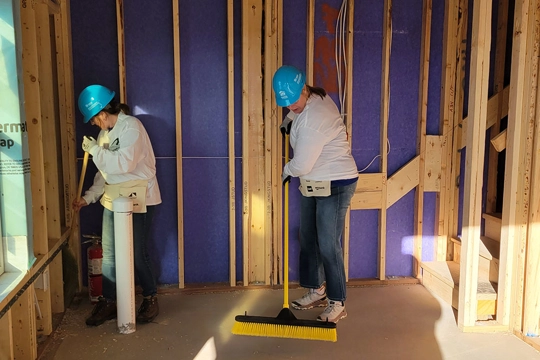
{"points": [[313, 298], [333, 312]]}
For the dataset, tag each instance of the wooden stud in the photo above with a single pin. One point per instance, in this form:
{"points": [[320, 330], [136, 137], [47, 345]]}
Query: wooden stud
{"points": [[24, 325], [472, 207], [432, 167], [49, 123], [253, 153], [531, 307], [512, 212], [178, 113], [448, 85], [35, 136], [310, 41], [452, 216], [528, 117], [348, 119], [278, 156], [270, 129], [421, 137], [385, 108], [121, 50], [67, 130], [232, 177], [6, 337]]}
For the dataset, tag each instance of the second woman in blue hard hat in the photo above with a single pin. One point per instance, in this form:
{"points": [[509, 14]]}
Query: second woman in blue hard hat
{"points": [[126, 163], [322, 157]]}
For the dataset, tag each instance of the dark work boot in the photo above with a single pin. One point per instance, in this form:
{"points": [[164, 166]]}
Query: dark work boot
{"points": [[149, 310], [104, 310]]}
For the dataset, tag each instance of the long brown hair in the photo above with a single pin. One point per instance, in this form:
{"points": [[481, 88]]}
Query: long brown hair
{"points": [[316, 90], [114, 108]]}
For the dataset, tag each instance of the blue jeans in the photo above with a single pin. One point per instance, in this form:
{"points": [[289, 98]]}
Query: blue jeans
{"points": [[143, 268], [322, 220]]}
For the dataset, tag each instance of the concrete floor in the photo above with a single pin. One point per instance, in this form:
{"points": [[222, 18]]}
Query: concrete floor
{"points": [[386, 322]]}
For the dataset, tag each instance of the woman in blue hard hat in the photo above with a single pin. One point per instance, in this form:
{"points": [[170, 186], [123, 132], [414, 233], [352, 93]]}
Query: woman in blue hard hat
{"points": [[126, 163], [328, 176]]}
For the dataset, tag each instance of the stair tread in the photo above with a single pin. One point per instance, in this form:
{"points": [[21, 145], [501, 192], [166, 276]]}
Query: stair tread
{"points": [[489, 248], [448, 272]]}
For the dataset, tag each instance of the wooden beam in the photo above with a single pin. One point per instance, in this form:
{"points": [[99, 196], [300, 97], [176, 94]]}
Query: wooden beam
{"points": [[232, 176], [348, 119], [432, 167], [448, 86], [49, 122], [524, 295], [385, 108], [253, 152], [421, 136], [6, 337], [499, 143], [403, 181], [278, 155], [310, 40], [497, 102], [512, 212], [24, 326], [178, 116], [35, 135], [270, 139], [121, 50], [67, 131], [472, 207], [531, 306]]}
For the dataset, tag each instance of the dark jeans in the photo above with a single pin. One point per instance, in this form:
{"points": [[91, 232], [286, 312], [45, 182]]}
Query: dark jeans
{"points": [[322, 220], [143, 268]]}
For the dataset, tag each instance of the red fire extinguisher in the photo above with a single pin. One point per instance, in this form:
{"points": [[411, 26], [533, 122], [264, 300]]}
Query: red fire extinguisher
{"points": [[95, 257]]}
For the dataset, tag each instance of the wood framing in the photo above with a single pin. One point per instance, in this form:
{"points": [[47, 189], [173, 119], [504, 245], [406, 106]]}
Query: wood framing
{"points": [[230, 120], [421, 135], [270, 139], [512, 212], [385, 109], [472, 209], [179, 162], [348, 118], [253, 151], [531, 303], [121, 50]]}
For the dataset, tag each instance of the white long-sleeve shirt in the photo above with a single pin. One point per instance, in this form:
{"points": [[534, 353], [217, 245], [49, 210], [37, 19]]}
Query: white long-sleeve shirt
{"points": [[319, 140], [124, 153]]}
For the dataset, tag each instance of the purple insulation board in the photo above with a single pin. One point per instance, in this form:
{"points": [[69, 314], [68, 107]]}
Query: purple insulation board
{"points": [[203, 49]]}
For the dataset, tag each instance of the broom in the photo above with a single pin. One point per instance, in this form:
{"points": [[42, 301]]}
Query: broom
{"points": [[285, 325]]}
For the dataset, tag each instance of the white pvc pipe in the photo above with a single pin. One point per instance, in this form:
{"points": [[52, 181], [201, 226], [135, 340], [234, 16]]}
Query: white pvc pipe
{"points": [[123, 253]]}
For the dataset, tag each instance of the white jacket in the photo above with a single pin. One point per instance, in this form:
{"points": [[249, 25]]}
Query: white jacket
{"points": [[319, 140], [124, 153]]}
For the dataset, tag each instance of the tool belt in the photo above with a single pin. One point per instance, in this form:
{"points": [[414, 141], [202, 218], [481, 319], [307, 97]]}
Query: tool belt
{"points": [[310, 188], [134, 190]]}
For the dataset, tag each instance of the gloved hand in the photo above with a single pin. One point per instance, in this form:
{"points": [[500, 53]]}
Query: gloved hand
{"points": [[285, 126], [88, 143], [285, 178]]}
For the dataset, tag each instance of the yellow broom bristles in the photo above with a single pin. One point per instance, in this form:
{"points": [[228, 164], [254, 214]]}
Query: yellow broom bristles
{"points": [[284, 331]]}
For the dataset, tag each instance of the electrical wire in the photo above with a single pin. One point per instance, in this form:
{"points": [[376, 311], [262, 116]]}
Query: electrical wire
{"points": [[341, 58]]}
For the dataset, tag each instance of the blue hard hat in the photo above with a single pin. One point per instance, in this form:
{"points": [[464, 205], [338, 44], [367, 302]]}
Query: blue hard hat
{"points": [[93, 99], [288, 83]]}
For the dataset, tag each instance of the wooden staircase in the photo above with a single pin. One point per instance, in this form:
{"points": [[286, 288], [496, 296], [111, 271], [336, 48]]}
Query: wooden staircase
{"points": [[442, 277]]}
